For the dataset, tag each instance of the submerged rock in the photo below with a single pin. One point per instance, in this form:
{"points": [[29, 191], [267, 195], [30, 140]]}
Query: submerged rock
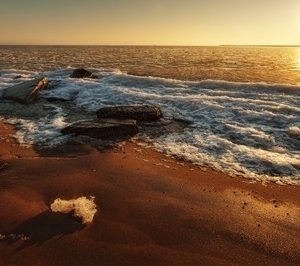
{"points": [[103, 129], [164, 126], [81, 73], [143, 113], [26, 92]]}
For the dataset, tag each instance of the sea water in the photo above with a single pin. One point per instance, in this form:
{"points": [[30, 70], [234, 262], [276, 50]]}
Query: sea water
{"points": [[243, 102]]}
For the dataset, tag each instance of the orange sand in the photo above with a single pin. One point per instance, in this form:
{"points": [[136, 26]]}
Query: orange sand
{"points": [[152, 210]]}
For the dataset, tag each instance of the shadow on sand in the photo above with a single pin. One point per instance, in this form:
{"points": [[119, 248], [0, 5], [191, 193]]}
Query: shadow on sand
{"points": [[45, 226], [79, 146]]}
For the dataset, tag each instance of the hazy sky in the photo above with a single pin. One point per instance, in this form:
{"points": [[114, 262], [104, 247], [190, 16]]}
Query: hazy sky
{"points": [[166, 22]]}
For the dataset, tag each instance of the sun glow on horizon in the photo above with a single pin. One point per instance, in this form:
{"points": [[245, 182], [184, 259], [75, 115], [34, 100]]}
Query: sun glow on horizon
{"points": [[298, 62], [156, 22]]}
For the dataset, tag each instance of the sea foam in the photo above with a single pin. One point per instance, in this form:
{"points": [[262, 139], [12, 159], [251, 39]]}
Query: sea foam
{"points": [[246, 129], [83, 208]]}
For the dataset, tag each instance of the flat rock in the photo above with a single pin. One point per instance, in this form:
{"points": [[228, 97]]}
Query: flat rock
{"points": [[141, 113], [81, 73], [106, 129], [26, 92]]}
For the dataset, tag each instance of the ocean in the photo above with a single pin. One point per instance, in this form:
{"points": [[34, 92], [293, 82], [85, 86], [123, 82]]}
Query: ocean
{"points": [[243, 102]]}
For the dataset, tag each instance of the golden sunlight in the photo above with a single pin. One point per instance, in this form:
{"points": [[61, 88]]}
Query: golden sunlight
{"points": [[298, 61], [160, 132]]}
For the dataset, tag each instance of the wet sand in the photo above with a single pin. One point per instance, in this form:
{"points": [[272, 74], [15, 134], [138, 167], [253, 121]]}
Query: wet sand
{"points": [[152, 210]]}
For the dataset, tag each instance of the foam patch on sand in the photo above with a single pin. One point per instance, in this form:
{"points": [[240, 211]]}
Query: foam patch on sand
{"points": [[83, 207], [14, 237], [294, 131]]}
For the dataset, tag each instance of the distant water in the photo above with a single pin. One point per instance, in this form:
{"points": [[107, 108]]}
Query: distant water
{"points": [[244, 102]]}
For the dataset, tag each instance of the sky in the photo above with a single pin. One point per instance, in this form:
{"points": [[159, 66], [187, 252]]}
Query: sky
{"points": [[146, 22]]}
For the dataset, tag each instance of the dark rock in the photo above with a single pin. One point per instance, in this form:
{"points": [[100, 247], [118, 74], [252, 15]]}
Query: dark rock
{"points": [[104, 129], [56, 99], [25, 92], [163, 127], [182, 121], [82, 73], [145, 113], [18, 77]]}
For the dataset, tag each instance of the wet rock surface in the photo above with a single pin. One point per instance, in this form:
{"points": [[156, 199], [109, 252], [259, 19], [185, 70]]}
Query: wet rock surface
{"points": [[164, 126], [26, 92], [48, 118], [140, 113], [81, 73], [106, 129]]}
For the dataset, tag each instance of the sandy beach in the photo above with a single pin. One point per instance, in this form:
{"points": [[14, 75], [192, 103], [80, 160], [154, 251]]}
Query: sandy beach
{"points": [[149, 133], [152, 210]]}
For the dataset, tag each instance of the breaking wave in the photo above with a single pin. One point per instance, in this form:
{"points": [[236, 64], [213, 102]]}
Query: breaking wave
{"points": [[247, 129]]}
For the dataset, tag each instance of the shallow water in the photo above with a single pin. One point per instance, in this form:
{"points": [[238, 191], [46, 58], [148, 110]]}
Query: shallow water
{"points": [[249, 126]]}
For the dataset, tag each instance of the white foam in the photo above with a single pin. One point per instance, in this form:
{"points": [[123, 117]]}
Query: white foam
{"points": [[248, 129], [294, 131], [14, 237], [59, 122], [83, 208], [45, 131]]}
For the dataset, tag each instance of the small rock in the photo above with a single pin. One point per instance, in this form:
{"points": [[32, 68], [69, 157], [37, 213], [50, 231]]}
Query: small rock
{"points": [[81, 73]]}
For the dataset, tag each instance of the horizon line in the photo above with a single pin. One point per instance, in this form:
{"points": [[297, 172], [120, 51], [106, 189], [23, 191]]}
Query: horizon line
{"points": [[161, 45]]}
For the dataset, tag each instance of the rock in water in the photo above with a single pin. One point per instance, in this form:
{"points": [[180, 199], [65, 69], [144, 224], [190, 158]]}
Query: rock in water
{"points": [[106, 129], [142, 113], [82, 73], [26, 92], [164, 126]]}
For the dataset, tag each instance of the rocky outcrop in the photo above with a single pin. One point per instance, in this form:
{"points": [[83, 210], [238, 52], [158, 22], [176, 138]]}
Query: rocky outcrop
{"points": [[141, 113], [81, 73], [26, 92], [105, 129]]}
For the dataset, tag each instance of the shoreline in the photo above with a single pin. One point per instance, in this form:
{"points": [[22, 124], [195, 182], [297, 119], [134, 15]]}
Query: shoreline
{"points": [[243, 178], [152, 209]]}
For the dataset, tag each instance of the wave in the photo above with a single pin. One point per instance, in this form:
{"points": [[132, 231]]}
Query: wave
{"points": [[247, 129]]}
